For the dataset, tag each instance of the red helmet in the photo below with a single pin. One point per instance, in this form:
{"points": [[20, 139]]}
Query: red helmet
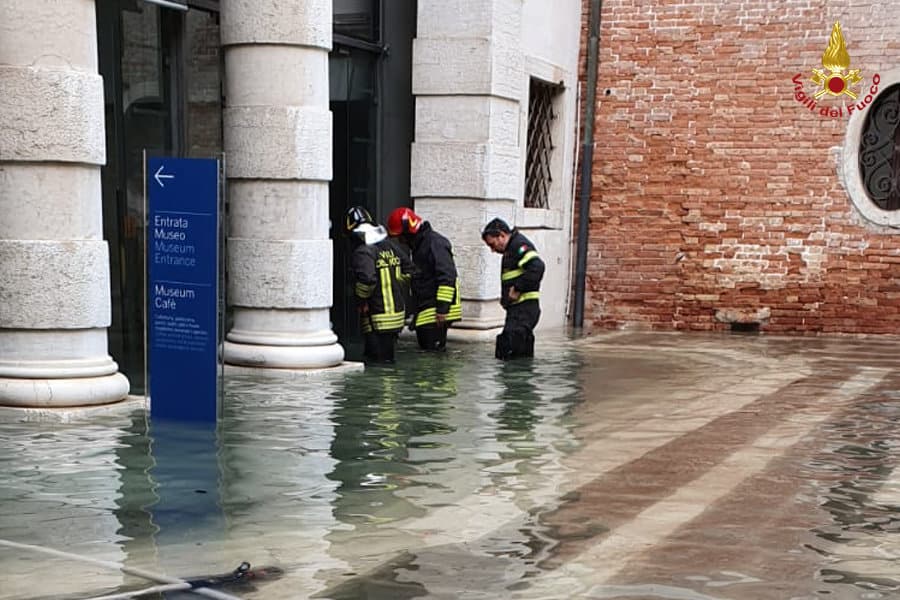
{"points": [[403, 220]]}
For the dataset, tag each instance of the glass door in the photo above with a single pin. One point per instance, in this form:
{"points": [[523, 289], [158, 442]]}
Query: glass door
{"points": [[352, 73], [162, 85]]}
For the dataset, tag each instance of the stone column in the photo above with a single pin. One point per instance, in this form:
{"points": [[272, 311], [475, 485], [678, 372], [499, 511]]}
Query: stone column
{"points": [[54, 262], [466, 160], [278, 163]]}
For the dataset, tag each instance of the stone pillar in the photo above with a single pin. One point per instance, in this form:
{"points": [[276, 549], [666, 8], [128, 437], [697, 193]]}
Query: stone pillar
{"points": [[466, 160], [54, 262], [278, 163]]}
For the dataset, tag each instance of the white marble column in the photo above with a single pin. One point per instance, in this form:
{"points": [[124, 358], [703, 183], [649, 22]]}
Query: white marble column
{"points": [[278, 164], [54, 262], [466, 160]]}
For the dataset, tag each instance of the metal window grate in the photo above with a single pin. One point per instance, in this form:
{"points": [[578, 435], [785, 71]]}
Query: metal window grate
{"points": [[538, 175], [879, 150]]}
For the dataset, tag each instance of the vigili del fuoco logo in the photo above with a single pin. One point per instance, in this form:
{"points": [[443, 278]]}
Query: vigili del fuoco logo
{"points": [[835, 80]]}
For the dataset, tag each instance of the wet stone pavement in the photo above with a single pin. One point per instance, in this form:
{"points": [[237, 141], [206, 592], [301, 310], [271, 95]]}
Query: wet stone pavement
{"points": [[623, 465]]}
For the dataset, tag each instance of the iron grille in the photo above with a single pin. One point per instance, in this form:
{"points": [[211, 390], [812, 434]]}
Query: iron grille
{"points": [[538, 175], [879, 150]]}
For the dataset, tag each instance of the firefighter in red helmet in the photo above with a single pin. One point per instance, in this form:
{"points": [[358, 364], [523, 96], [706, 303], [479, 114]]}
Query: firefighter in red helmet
{"points": [[380, 271], [435, 284]]}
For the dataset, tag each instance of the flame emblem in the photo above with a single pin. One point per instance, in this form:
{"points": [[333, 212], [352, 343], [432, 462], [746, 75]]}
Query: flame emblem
{"points": [[835, 61]]}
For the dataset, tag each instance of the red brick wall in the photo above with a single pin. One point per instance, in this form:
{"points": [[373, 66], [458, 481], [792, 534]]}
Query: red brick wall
{"points": [[714, 189]]}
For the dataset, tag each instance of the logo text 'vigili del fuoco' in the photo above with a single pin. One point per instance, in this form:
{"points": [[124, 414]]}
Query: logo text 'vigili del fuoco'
{"points": [[835, 79]]}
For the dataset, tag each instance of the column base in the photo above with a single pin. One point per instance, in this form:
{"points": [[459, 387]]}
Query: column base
{"points": [[283, 357], [58, 393]]}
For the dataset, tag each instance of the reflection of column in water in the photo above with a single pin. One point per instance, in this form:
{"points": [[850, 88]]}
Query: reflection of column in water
{"points": [[59, 486], [276, 435]]}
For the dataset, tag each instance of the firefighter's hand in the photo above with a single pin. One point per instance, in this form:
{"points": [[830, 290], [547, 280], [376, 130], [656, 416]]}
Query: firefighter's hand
{"points": [[514, 294], [440, 318]]}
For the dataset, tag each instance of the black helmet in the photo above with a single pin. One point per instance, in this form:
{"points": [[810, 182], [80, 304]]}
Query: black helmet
{"points": [[495, 227], [356, 216]]}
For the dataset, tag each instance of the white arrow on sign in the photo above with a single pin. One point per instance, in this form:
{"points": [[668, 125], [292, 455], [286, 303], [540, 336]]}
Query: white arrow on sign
{"points": [[159, 176]]}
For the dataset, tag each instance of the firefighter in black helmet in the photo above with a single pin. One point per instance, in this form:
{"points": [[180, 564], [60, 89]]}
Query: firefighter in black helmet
{"points": [[380, 271], [521, 272]]}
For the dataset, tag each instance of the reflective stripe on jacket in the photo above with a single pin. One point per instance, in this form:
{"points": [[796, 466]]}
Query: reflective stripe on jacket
{"points": [[435, 284], [379, 271], [521, 268]]}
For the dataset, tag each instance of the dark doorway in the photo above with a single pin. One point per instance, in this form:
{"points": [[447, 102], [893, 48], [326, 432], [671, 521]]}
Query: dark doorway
{"points": [[370, 70]]}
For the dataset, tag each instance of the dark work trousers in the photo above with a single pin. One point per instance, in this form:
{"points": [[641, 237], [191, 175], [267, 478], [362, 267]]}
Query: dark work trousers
{"points": [[432, 337], [517, 338], [379, 347]]}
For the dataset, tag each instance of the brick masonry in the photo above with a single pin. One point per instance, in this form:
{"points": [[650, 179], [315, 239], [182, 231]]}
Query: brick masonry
{"points": [[716, 195]]}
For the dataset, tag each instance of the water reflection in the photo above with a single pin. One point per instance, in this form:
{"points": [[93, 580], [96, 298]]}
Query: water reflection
{"points": [[862, 542], [321, 477], [390, 425], [60, 487]]}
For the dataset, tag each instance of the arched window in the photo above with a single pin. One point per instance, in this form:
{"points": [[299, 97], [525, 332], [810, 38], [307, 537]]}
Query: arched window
{"points": [[870, 165]]}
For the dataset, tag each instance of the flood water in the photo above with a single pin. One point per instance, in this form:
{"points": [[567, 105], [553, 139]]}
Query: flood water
{"points": [[628, 467]]}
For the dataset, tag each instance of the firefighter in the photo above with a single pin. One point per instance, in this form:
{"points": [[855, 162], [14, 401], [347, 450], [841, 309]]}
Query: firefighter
{"points": [[435, 284], [380, 271], [521, 272]]}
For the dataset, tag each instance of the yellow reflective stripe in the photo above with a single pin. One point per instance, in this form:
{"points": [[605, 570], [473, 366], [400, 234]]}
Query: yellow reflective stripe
{"points": [[512, 274], [387, 291], [401, 275], [458, 303], [424, 317], [528, 256], [445, 293], [528, 296], [393, 320], [363, 290]]}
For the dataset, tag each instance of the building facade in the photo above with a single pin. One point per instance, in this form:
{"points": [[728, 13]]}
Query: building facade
{"points": [[742, 178], [465, 109]]}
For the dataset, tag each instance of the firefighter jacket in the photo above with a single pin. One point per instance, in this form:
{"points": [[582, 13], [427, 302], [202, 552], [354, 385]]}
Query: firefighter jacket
{"points": [[522, 268], [435, 284], [380, 273]]}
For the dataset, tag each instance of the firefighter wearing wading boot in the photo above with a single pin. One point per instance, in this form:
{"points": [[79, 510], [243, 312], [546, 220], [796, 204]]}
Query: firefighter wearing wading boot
{"points": [[521, 272], [435, 285], [380, 270]]}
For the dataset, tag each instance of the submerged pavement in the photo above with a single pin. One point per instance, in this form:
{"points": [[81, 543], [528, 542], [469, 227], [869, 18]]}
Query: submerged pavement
{"points": [[718, 467], [622, 465]]}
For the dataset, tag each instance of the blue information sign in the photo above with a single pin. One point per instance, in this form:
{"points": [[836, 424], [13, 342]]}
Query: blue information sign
{"points": [[183, 264]]}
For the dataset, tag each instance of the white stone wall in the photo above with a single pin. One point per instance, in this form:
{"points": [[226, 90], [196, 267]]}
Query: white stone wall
{"points": [[54, 262], [278, 155], [473, 60]]}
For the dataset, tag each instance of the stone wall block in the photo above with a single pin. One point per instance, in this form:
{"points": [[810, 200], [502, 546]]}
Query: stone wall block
{"points": [[474, 119], [280, 210], [278, 142], [33, 32], [465, 170], [455, 18], [302, 73], [47, 201], [297, 22], [50, 115], [279, 273], [54, 284], [462, 66]]}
